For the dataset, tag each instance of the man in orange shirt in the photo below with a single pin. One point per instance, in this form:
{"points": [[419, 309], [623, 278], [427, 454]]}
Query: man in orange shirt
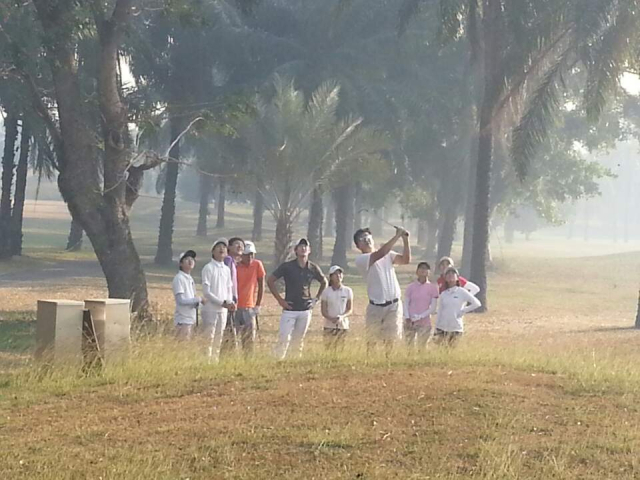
{"points": [[250, 273]]}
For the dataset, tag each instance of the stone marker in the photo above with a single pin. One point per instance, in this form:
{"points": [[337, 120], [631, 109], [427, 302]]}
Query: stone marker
{"points": [[59, 331], [112, 323]]}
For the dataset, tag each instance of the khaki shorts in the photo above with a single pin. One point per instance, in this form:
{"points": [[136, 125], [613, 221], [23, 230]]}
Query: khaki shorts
{"points": [[384, 323]]}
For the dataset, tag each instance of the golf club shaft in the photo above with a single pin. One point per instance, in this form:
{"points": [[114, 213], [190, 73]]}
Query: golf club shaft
{"points": [[382, 219]]}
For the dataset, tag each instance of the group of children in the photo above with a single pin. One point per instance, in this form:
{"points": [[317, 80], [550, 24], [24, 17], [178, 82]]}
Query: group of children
{"points": [[233, 287]]}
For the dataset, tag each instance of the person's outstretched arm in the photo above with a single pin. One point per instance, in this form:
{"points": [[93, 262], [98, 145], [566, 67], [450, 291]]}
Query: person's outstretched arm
{"points": [[386, 248]]}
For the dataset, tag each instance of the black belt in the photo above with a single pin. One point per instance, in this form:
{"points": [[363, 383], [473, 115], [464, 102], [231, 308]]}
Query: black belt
{"points": [[385, 304]]}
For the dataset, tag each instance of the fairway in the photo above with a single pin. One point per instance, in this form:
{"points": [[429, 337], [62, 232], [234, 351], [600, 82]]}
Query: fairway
{"points": [[545, 385]]}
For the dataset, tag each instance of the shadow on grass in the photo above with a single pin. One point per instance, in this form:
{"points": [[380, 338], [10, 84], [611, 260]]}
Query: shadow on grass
{"points": [[630, 328], [17, 333]]}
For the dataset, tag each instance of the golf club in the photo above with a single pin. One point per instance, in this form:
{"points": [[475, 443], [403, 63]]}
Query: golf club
{"points": [[373, 214]]}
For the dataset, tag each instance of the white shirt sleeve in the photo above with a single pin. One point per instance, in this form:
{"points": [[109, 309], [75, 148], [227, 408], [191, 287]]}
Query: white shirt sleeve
{"points": [[431, 309], [473, 301], [362, 263], [472, 288], [406, 301], [183, 300]]}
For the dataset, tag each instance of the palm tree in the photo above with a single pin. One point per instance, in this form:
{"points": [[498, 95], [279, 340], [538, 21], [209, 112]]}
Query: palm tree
{"points": [[296, 144], [601, 38]]}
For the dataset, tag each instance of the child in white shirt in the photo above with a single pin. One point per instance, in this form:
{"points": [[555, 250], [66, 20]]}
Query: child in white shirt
{"points": [[337, 305], [455, 301], [184, 292], [217, 287]]}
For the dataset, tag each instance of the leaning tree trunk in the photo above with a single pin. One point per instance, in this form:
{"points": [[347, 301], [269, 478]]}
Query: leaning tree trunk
{"points": [[164, 252], [222, 198], [17, 212], [74, 241], [205, 198], [343, 199], [314, 231], [258, 214], [99, 186], [8, 165], [284, 234]]}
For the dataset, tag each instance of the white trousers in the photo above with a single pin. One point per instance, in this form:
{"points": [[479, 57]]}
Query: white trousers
{"points": [[213, 324], [293, 328]]}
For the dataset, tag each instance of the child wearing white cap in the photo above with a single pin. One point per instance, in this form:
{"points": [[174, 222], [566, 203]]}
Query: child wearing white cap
{"points": [[217, 288], [184, 292], [336, 305]]}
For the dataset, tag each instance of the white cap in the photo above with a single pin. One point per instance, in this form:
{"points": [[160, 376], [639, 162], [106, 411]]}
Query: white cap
{"points": [[188, 253], [220, 240], [249, 247], [334, 269]]}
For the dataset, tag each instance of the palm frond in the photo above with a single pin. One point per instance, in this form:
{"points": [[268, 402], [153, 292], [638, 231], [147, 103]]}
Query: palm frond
{"points": [[538, 119], [609, 59], [450, 21]]}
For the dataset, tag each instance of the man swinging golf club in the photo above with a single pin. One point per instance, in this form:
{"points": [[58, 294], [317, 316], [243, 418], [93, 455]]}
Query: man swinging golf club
{"points": [[383, 320]]}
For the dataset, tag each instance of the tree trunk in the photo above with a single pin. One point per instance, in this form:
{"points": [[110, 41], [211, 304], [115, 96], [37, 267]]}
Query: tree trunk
{"points": [[74, 242], [8, 165], [314, 231], [222, 195], [258, 214], [509, 229], [376, 225], [205, 198], [432, 233], [17, 212], [467, 236], [481, 214], [164, 252], [99, 187], [357, 219], [447, 229], [343, 199], [638, 312], [422, 232], [284, 233], [329, 219]]}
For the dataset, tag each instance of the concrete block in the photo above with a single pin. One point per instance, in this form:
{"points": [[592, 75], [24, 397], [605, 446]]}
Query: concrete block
{"points": [[59, 331], [112, 322]]}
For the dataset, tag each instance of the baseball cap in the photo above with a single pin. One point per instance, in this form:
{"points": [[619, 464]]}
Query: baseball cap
{"points": [[302, 241], [188, 253], [222, 240], [249, 247], [447, 259], [334, 269]]}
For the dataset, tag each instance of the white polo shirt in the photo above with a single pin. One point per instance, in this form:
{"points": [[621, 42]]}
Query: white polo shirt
{"points": [[453, 306], [336, 305], [184, 292], [217, 286], [382, 282]]}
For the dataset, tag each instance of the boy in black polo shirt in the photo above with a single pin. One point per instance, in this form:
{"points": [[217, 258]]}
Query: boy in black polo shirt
{"points": [[297, 305]]}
